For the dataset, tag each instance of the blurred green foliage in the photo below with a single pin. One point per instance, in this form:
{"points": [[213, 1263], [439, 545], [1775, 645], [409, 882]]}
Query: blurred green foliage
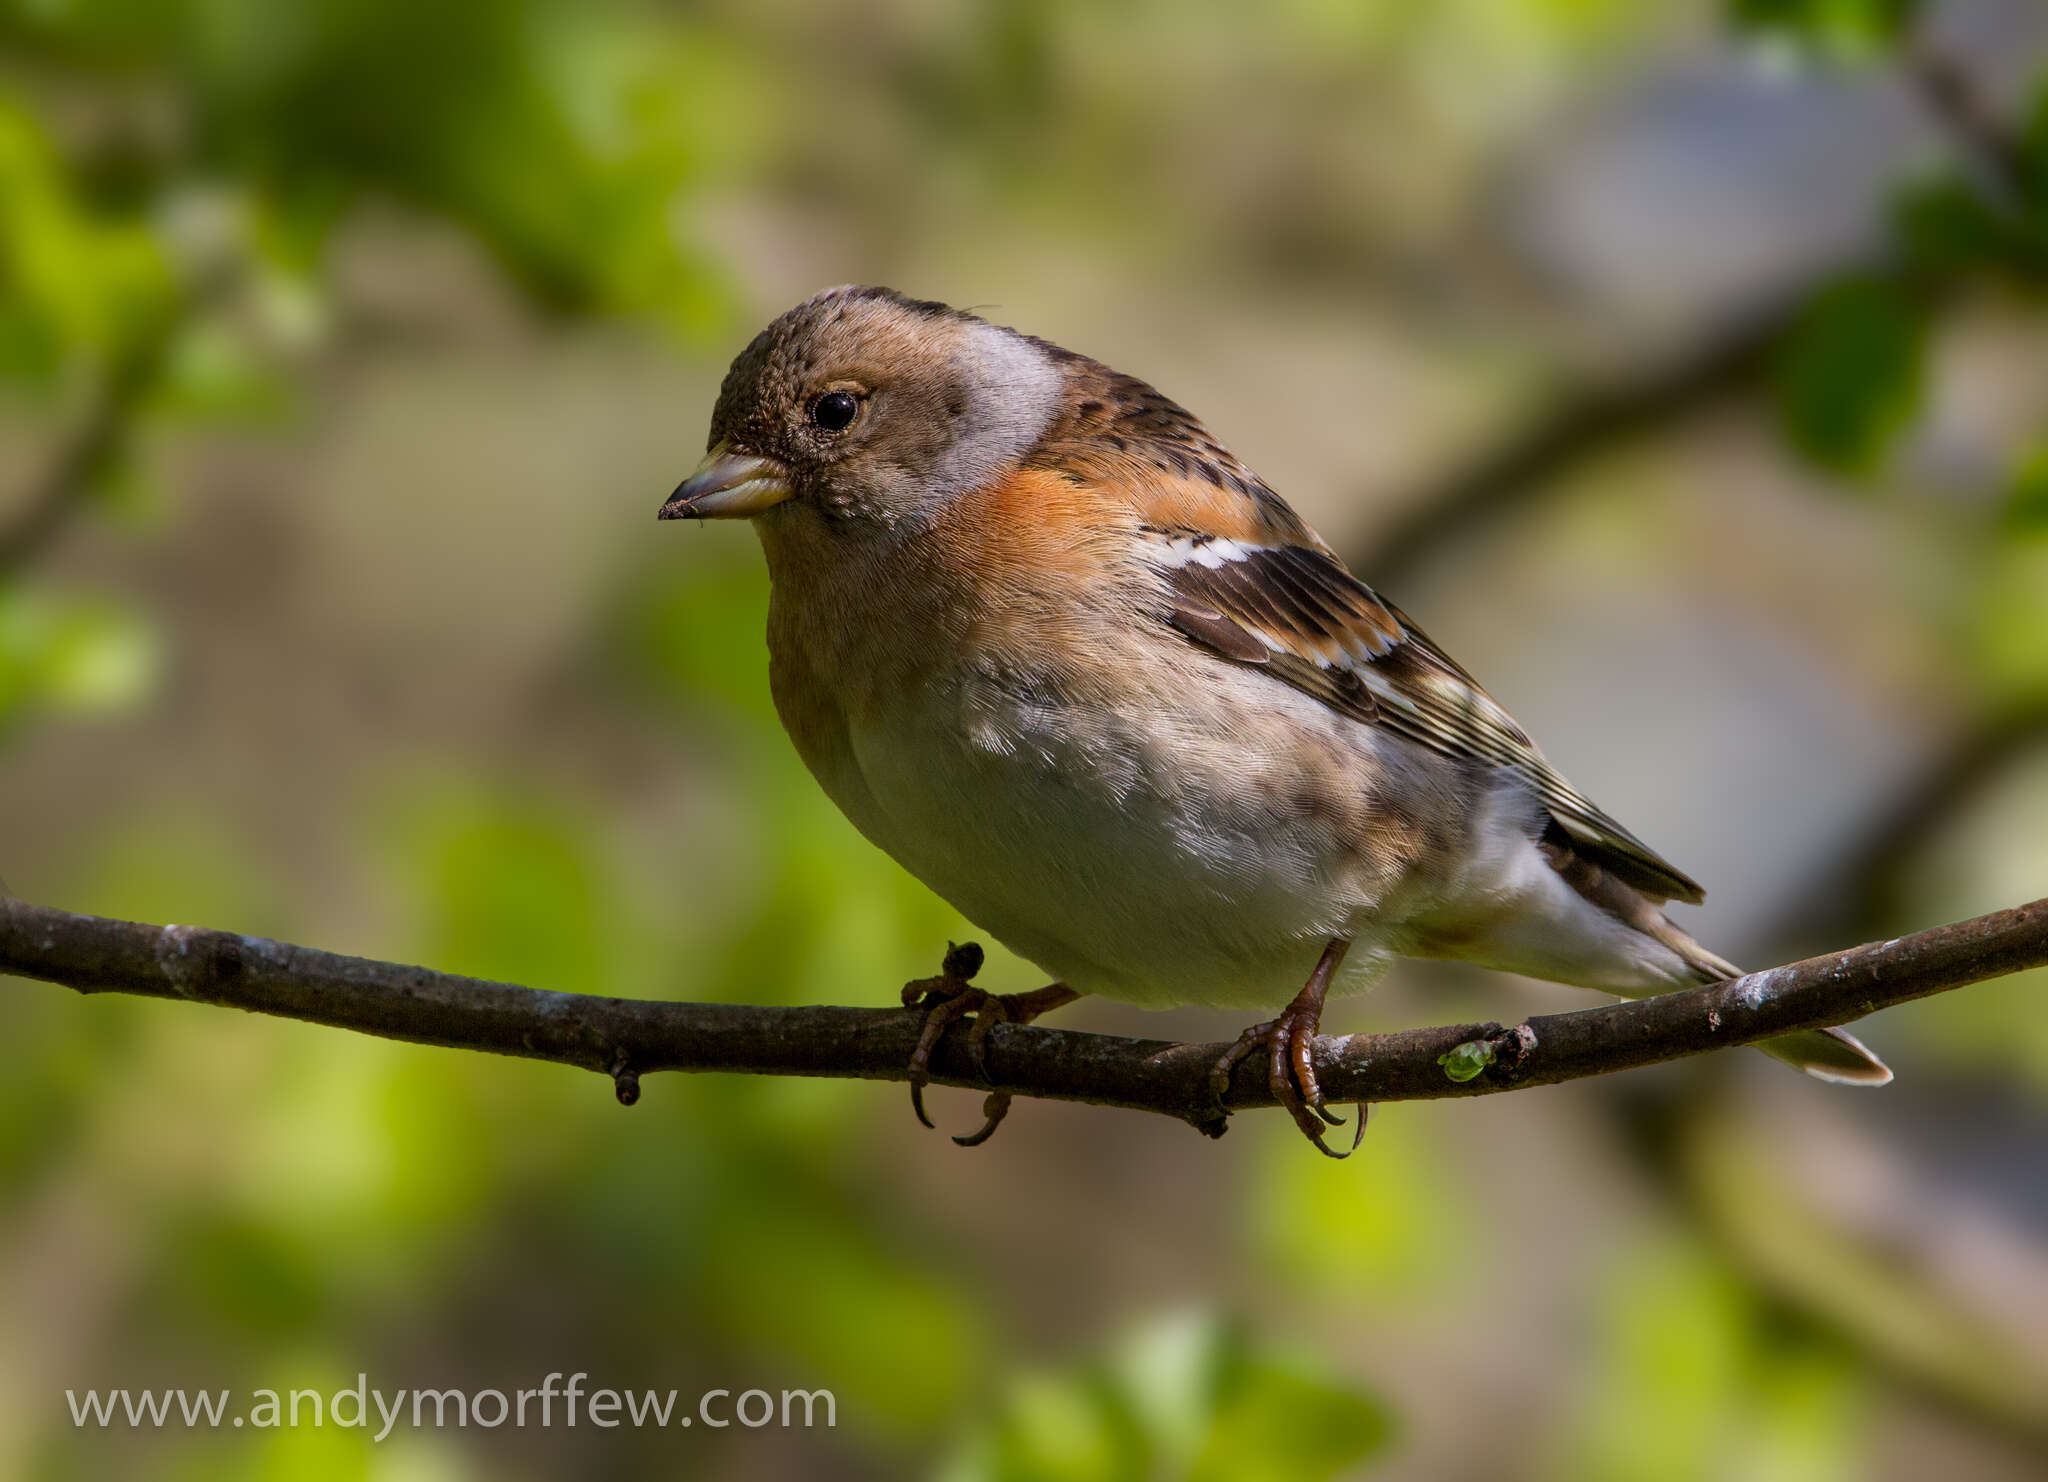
{"points": [[1994, 849], [1845, 26], [75, 280], [1851, 378], [560, 136], [2027, 506], [1870, 1290], [1697, 1381], [170, 176], [70, 654], [1187, 1400], [174, 177]]}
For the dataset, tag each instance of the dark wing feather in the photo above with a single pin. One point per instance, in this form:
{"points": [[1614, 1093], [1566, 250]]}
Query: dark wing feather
{"points": [[1294, 611]]}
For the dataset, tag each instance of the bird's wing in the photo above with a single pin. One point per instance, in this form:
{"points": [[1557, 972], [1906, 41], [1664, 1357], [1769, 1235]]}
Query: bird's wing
{"points": [[1245, 578], [1293, 610]]}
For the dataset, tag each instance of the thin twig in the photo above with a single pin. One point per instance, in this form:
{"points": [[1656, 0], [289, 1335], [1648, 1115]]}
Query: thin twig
{"points": [[86, 455], [1861, 888], [97, 443], [1581, 424], [627, 1039], [1584, 422], [1990, 144]]}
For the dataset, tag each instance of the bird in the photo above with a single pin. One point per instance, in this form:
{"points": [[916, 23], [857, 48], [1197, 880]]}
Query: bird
{"points": [[1050, 645]]}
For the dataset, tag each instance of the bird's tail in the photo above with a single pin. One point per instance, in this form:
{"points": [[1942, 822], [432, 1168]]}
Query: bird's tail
{"points": [[1829, 1054], [1825, 1054]]}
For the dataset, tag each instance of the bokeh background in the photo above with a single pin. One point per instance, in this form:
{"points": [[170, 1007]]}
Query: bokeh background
{"points": [[1684, 367]]}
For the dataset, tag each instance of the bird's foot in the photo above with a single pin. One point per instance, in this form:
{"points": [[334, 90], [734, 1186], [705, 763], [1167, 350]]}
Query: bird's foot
{"points": [[1289, 1042], [952, 995]]}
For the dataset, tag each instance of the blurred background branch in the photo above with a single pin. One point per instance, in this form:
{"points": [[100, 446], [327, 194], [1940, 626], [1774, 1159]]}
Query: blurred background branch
{"points": [[1869, 886], [93, 451], [86, 457], [1582, 425], [1742, 345]]}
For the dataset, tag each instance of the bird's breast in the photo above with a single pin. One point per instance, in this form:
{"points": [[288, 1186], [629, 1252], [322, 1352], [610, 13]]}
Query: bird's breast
{"points": [[1139, 818]]}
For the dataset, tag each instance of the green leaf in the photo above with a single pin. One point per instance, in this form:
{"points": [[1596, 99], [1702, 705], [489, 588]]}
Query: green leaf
{"points": [[1851, 377]]}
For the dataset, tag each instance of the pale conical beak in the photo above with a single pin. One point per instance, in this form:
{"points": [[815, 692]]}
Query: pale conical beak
{"points": [[728, 486]]}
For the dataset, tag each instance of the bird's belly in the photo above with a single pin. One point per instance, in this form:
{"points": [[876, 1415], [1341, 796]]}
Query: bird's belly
{"points": [[1111, 852]]}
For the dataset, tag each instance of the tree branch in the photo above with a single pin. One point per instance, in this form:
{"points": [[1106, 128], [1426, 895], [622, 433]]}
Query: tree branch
{"points": [[1583, 423], [626, 1038], [95, 446], [1862, 888], [91, 450], [1587, 421], [1990, 144]]}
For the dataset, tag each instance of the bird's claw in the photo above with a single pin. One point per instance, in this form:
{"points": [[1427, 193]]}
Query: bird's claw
{"points": [[952, 996], [1289, 1042], [993, 1110]]}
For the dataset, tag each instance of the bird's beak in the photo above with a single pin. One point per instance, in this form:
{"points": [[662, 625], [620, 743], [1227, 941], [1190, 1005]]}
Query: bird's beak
{"points": [[728, 486]]}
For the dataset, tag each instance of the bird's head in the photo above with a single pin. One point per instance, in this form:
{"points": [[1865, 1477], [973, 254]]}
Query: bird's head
{"points": [[873, 409]]}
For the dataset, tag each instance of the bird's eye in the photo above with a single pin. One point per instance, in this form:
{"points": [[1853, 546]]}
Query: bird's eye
{"points": [[834, 410]]}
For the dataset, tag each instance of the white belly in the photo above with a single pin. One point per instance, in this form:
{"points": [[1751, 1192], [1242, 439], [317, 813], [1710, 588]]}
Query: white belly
{"points": [[1072, 840]]}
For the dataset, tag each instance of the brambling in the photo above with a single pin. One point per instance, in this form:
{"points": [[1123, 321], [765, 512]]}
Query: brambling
{"points": [[1046, 642]]}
